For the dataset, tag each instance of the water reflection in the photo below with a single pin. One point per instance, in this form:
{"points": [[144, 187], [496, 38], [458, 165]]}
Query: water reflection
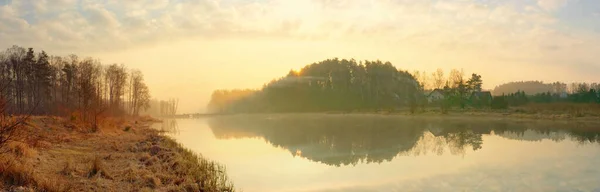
{"points": [[338, 140], [168, 125]]}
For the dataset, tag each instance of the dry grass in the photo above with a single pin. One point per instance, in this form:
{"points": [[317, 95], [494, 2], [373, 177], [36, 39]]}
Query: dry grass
{"points": [[97, 169], [20, 149], [17, 174], [152, 181], [197, 171], [62, 154], [68, 169]]}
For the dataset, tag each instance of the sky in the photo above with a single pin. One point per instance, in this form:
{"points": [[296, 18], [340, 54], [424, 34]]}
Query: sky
{"points": [[188, 48]]}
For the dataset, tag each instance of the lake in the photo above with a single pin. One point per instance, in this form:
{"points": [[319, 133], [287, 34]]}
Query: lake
{"points": [[311, 152]]}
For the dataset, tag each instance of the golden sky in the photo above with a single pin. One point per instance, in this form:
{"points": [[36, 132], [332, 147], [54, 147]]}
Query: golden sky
{"points": [[188, 48]]}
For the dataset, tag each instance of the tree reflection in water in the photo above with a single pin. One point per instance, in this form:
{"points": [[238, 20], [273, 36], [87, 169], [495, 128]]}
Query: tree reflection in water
{"points": [[352, 139], [169, 125]]}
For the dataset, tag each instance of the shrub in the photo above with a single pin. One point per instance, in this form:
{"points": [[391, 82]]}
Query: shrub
{"points": [[499, 102]]}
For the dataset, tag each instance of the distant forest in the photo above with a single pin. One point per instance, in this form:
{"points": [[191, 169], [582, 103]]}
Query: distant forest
{"points": [[40, 84], [538, 87], [349, 85]]}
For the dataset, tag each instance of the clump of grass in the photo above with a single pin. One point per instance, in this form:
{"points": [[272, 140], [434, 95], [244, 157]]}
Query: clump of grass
{"points": [[14, 173], [152, 181], [198, 172], [73, 117], [130, 175], [154, 150], [152, 161], [51, 185], [97, 168], [127, 128], [68, 169], [144, 157], [21, 149], [43, 144]]}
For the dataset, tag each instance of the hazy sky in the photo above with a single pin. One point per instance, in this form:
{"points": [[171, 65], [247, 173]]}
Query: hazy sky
{"points": [[187, 48]]}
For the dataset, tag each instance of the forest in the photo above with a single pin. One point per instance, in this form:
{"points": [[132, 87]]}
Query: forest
{"points": [[350, 85], [342, 85], [35, 83]]}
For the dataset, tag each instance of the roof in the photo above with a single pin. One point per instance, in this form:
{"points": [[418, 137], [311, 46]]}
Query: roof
{"points": [[440, 91]]}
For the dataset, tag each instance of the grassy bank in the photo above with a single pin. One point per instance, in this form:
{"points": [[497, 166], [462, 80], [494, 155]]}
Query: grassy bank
{"points": [[55, 154]]}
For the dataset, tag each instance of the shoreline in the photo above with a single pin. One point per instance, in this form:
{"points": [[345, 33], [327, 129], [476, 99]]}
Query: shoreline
{"points": [[478, 114], [123, 155]]}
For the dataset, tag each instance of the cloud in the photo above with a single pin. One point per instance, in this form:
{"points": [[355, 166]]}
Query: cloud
{"points": [[101, 17], [551, 5], [523, 30]]}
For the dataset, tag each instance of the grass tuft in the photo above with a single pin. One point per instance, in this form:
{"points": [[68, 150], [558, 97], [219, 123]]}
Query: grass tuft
{"points": [[97, 168], [68, 169], [15, 173], [198, 172], [21, 149], [152, 181]]}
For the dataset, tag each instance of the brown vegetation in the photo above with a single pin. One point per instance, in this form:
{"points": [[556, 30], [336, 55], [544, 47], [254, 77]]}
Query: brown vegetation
{"points": [[64, 155]]}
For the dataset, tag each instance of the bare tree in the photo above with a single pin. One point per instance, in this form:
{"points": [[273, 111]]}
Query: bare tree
{"points": [[140, 95], [116, 80], [438, 79], [423, 79], [456, 77]]}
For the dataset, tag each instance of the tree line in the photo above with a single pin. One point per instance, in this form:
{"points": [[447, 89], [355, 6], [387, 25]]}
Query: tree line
{"points": [[341, 84], [346, 85], [41, 84], [539, 87]]}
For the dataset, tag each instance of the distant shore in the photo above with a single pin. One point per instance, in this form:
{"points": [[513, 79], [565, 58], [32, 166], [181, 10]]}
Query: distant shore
{"points": [[513, 113], [123, 155]]}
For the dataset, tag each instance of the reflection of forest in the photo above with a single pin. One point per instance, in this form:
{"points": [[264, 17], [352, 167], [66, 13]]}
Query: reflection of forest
{"points": [[344, 140], [168, 125]]}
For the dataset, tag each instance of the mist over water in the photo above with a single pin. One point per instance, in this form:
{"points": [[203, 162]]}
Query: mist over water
{"points": [[312, 152]]}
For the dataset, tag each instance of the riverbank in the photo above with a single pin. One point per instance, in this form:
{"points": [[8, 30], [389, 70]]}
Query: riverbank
{"points": [[55, 154]]}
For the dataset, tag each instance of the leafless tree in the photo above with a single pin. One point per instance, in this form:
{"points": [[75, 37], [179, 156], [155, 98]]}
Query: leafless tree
{"points": [[438, 79]]}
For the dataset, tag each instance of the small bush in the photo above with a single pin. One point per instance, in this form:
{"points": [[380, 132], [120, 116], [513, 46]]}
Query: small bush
{"points": [[499, 102]]}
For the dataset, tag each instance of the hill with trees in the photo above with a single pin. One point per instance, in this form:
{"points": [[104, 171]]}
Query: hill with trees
{"points": [[331, 84], [346, 85]]}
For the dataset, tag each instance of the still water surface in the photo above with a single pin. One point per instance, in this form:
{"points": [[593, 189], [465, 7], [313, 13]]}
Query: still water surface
{"points": [[388, 153]]}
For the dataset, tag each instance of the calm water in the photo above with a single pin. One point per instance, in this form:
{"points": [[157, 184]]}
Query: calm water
{"points": [[387, 153]]}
